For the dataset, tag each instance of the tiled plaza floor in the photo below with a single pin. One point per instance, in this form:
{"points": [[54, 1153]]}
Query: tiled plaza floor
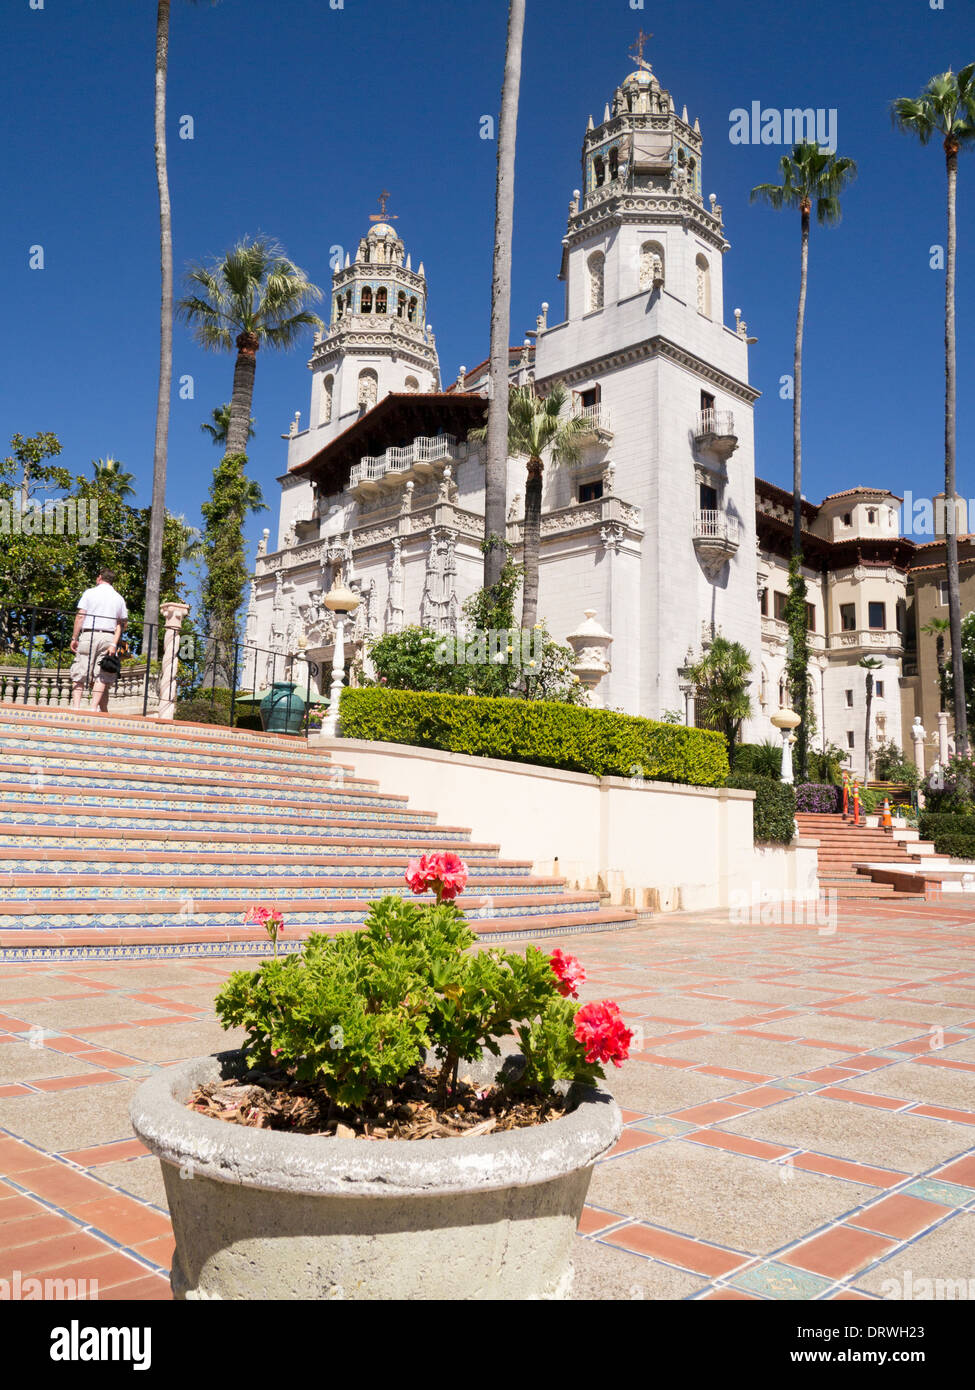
{"points": [[800, 1114]]}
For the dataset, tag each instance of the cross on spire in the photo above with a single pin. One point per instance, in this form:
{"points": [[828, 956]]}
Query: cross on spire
{"points": [[382, 215], [640, 61]]}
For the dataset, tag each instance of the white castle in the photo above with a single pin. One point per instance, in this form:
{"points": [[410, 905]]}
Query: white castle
{"points": [[657, 529]]}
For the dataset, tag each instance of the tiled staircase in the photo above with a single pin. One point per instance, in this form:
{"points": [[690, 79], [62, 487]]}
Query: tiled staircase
{"points": [[871, 863], [120, 837]]}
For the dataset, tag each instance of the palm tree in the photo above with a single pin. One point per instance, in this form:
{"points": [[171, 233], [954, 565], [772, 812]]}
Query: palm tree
{"points": [[946, 107], [869, 664], [937, 627], [809, 175], [536, 425], [114, 478], [254, 296], [722, 677], [221, 424], [157, 515], [496, 464]]}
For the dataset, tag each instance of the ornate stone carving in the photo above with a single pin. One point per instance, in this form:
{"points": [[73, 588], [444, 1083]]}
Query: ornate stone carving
{"points": [[612, 536], [439, 607]]}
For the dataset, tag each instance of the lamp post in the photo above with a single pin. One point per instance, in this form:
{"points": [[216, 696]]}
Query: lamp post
{"points": [[786, 720], [341, 601]]}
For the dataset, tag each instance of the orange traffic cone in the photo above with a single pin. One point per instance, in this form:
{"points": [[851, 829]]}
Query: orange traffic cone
{"points": [[886, 821]]}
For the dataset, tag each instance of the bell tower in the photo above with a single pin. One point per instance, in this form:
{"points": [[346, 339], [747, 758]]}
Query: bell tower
{"points": [[377, 341], [640, 220]]}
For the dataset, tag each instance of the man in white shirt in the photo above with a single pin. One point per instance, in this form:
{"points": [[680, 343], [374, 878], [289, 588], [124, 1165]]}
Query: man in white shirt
{"points": [[98, 627]]}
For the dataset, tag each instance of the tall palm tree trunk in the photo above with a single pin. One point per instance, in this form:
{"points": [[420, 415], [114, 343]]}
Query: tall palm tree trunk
{"points": [[801, 692], [532, 538], [242, 399], [866, 739], [496, 468], [951, 534], [157, 515]]}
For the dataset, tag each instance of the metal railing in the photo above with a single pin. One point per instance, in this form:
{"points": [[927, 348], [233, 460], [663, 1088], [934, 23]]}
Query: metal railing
{"points": [[719, 423], [39, 668], [716, 525], [595, 415]]}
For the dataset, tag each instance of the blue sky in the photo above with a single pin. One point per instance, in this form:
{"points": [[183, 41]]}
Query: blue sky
{"points": [[302, 114]]}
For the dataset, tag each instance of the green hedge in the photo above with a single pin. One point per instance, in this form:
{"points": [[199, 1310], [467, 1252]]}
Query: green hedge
{"points": [[774, 809], [953, 834], [600, 742]]}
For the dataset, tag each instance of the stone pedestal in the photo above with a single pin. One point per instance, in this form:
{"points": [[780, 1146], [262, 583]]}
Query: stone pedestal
{"points": [[173, 613], [942, 737], [591, 643], [918, 736]]}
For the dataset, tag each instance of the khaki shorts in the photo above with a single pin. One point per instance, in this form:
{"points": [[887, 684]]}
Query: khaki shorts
{"points": [[92, 646]]}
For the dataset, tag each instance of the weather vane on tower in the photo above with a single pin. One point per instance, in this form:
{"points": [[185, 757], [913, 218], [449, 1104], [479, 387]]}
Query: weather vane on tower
{"points": [[382, 215], [640, 61]]}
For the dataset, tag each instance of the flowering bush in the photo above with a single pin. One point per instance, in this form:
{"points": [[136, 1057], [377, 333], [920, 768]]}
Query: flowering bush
{"points": [[819, 797], [358, 1012], [269, 919]]}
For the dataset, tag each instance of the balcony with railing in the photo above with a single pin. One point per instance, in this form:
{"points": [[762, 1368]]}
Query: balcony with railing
{"points": [[423, 458], [715, 431], [597, 422], [716, 535]]}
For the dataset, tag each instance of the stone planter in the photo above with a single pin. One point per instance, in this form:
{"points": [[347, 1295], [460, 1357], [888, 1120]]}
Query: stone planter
{"points": [[263, 1214]]}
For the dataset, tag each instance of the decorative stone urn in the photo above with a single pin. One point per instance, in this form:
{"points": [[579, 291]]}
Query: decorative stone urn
{"points": [[591, 643], [263, 1214]]}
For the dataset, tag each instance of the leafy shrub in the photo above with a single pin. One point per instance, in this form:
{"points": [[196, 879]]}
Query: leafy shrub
{"points": [[952, 788], [773, 814], [826, 767], [357, 1012], [955, 845], [495, 663], [601, 742], [890, 765], [203, 712], [952, 833], [758, 759], [819, 798]]}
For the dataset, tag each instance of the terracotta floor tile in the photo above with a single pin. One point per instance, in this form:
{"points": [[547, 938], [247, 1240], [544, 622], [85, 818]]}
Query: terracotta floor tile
{"points": [[939, 1112], [899, 1215], [47, 1256], [675, 1249], [962, 1171], [593, 1220], [62, 1185], [107, 1153], [711, 1113], [31, 1229], [838, 1252], [160, 1250], [761, 1096], [124, 1219], [151, 1287], [736, 1143], [840, 1168], [863, 1098], [631, 1139], [68, 1083]]}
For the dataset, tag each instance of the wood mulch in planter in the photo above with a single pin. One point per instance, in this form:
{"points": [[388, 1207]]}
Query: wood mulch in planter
{"points": [[411, 1111]]}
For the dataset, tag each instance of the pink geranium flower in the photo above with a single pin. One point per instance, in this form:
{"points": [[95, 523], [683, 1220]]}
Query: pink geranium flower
{"points": [[568, 973], [603, 1033], [444, 872], [268, 918]]}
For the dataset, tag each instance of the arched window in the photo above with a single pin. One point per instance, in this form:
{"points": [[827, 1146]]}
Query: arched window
{"points": [[326, 412], [348, 301], [400, 304], [365, 303], [614, 163], [651, 265], [368, 387], [411, 312], [339, 306], [597, 277], [703, 286], [599, 171], [381, 300], [411, 384]]}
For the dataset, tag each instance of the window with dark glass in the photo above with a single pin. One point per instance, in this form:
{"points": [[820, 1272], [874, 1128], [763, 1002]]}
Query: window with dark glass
{"points": [[591, 492], [780, 601], [709, 498], [877, 615], [848, 617], [810, 617]]}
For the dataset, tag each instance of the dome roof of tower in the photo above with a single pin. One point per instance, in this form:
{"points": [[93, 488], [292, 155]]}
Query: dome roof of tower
{"points": [[641, 77], [382, 229]]}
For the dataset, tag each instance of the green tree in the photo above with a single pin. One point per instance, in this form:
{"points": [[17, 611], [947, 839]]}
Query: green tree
{"points": [[797, 664], [254, 297], [809, 175], [937, 628], [535, 427], [869, 664], [946, 108], [36, 569], [722, 676], [496, 465], [217, 430], [233, 497], [111, 476]]}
